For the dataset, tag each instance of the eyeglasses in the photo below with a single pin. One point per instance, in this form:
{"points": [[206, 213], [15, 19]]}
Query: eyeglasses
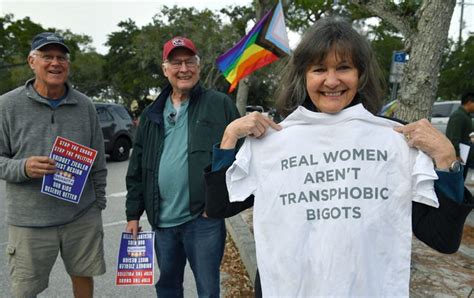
{"points": [[176, 64], [49, 58]]}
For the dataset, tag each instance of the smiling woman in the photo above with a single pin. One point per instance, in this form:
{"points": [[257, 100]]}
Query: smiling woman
{"points": [[330, 69], [324, 182], [332, 84]]}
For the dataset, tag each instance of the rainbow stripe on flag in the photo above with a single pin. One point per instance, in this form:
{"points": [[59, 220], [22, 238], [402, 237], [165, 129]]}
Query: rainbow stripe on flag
{"points": [[264, 44], [389, 109]]}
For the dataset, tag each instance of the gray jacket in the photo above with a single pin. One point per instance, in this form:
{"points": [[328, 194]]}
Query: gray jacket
{"points": [[29, 127]]}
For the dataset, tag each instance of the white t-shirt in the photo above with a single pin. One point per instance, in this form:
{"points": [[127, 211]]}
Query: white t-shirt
{"points": [[333, 200]]}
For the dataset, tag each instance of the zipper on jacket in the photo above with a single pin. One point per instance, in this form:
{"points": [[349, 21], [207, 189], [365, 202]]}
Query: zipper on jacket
{"points": [[52, 118]]}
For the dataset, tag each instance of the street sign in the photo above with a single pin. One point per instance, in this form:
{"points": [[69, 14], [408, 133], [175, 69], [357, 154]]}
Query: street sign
{"points": [[399, 57], [397, 67]]}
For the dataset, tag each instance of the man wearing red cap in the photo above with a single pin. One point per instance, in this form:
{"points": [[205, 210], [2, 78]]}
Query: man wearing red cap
{"points": [[173, 145], [40, 226]]}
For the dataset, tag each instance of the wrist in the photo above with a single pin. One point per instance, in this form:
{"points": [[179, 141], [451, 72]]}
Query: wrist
{"points": [[229, 140], [454, 167], [444, 161], [25, 169]]}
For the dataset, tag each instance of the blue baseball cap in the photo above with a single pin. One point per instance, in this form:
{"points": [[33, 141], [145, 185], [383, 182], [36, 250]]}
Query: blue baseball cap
{"points": [[46, 38]]}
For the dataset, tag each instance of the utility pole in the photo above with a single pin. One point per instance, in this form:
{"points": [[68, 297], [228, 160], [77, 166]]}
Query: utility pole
{"points": [[461, 23], [461, 20]]}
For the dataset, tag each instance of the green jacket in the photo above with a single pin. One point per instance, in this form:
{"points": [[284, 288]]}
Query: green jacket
{"points": [[459, 127], [209, 112]]}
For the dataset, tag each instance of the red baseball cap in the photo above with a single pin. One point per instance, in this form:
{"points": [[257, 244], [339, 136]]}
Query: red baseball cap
{"points": [[178, 42]]}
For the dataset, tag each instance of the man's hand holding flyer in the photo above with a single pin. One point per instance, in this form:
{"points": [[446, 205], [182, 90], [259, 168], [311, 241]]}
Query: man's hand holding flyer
{"points": [[73, 164], [136, 259]]}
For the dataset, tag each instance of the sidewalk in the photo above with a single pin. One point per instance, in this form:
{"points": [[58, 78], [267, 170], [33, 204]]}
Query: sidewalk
{"points": [[432, 274]]}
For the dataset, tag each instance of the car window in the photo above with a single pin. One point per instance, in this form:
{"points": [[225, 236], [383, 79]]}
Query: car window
{"points": [[442, 110], [454, 107], [123, 113], [104, 115]]}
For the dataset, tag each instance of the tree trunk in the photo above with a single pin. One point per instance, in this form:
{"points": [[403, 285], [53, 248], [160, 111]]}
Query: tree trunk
{"points": [[420, 84], [242, 95], [425, 36]]}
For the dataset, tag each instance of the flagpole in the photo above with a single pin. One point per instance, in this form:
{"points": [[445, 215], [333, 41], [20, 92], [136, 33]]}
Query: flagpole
{"points": [[244, 86]]}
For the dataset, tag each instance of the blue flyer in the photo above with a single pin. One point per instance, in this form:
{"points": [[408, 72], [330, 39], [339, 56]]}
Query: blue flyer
{"points": [[136, 259], [73, 165]]}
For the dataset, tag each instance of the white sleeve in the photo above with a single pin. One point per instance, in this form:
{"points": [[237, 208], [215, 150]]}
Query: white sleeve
{"points": [[423, 176], [240, 180]]}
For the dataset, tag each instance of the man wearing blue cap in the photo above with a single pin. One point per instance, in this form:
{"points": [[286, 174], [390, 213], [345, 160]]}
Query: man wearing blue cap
{"points": [[41, 226]]}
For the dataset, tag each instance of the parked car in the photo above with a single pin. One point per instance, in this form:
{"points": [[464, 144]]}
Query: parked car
{"points": [[441, 112], [118, 129]]}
